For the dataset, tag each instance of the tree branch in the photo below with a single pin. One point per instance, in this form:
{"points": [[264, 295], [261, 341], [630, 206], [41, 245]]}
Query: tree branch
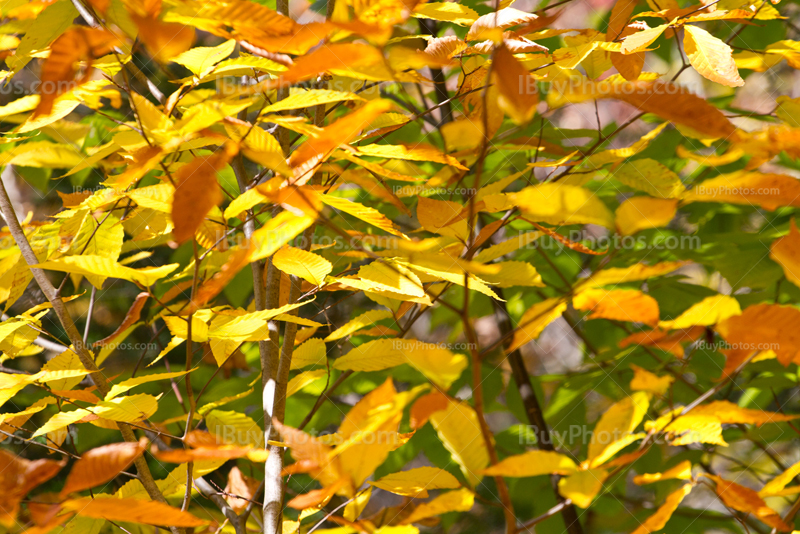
{"points": [[533, 410]]}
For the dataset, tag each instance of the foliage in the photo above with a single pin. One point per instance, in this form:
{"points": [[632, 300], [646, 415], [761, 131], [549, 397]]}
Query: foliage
{"points": [[399, 267]]}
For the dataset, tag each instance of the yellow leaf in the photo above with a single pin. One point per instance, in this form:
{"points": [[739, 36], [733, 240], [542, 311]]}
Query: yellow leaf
{"points": [[303, 264], [417, 482], [727, 412], [709, 311], [311, 352], [304, 379], [447, 12], [616, 425], [518, 90], [533, 463], [746, 500], [66, 361], [309, 98], [459, 430], [651, 177], [61, 420], [770, 191], [132, 510], [583, 486], [682, 471], [436, 216], [391, 276], [130, 383], [364, 320], [688, 428], [246, 326], [460, 500], [641, 213], [659, 519], [634, 273], [786, 252], [555, 203], [514, 273], [417, 152], [370, 431], [506, 247], [102, 266], [364, 213], [127, 409], [639, 41], [534, 320], [629, 305], [711, 57], [277, 232], [234, 428], [777, 484], [644, 380], [353, 509], [259, 146], [439, 364], [202, 58], [436, 267]]}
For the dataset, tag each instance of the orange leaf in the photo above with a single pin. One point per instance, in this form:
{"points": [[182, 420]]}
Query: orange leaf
{"points": [[164, 40], [765, 326], [242, 486], [196, 193], [131, 317], [746, 500], [76, 45], [17, 477], [667, 341], [618, 304], [100, 465], [133, 510], [518, 91], [620, 15], [786, 252], [316, 149], [425, 406]]}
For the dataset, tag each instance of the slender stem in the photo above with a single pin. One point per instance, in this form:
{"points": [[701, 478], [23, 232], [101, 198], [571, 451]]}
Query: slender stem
{"points": [[89, 315], [535, 414]]}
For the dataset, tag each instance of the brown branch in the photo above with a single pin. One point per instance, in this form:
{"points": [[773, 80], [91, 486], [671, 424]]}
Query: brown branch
{"points": [[533, 411]]}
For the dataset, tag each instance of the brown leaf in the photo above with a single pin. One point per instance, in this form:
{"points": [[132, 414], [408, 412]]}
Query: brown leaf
{"points": [[518, 90], [164, 40], [17, 477], [241, 485], [133, 510], [746, 500], [131, 317], [196, 193], [78, 44], [101, 464], [316, 149]]}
